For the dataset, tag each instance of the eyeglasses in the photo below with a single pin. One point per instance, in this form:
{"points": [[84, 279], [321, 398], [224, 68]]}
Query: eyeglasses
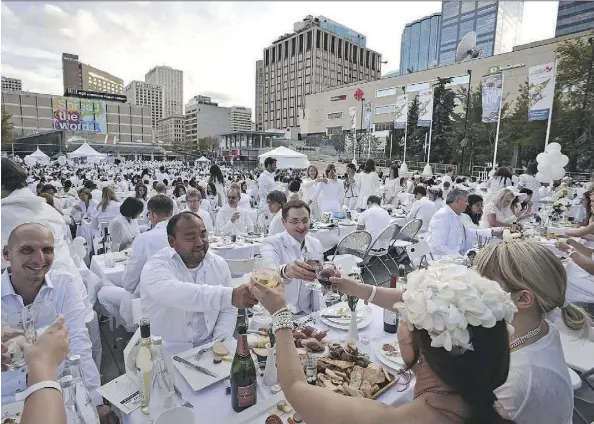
{"points": [[232, 197]]}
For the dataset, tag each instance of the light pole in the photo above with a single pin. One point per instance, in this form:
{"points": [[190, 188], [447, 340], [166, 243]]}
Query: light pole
{"points": [[464, 141]]}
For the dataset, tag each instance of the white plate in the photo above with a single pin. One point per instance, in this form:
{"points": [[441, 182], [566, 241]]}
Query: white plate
{"points": [[13, 410], [196, 379], [301, 351], [362, 311], [365, 311], [258, 413], [393, 362]]}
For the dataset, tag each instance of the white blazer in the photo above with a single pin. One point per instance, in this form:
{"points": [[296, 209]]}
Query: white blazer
{"points": [[287, 250]]}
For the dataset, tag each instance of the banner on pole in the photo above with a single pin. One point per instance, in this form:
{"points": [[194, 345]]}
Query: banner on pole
{"points": [[541, 81], [353, 118], [367, 116], [425, 108], [401, 111], [492, 90]]}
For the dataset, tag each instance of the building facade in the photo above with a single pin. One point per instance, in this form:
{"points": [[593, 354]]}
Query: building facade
{"points": [[574, 16], [172, 129], [419, 47], [11, 84], [77, 75], [259, 109], [205, 118], [143, 94], [172, 82], [497, 25], [240, 119], [318, 55]]}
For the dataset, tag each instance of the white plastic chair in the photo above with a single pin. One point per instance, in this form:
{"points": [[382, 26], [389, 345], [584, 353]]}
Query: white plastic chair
{"points": [[354, 246], [405, 237], [377, 250], [418, 252], [239, 267]]}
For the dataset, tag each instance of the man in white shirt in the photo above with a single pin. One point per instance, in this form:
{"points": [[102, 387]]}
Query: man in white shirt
{"points": [[186, 291], [448, 176], [193, 200], [266, 182], [30, 250], [447, 235], [374, 219], [122, 185], [422, 208], [161, 188], [231, 219], [289, 248]]}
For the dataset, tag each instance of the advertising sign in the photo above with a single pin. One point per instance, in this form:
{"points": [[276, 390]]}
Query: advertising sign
{"points": [[73, 114], [401, 111], [425, 108], [541, 80], [492, 88]]}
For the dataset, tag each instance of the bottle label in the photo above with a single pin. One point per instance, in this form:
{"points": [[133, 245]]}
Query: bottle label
{"points": [[390, 318], [243, 350], [246, 396]]}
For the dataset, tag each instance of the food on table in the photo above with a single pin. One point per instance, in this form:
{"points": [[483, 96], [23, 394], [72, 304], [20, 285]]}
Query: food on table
{"points": [[274, 419], [261, 353], [389, 349], [276, 388], [219, 349], [297, 418], [310, 338]]}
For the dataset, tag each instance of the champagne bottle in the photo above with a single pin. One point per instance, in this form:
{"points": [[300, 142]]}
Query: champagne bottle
{"points": [[390, 317], [243, 370], [73, 414], [144, 363]]}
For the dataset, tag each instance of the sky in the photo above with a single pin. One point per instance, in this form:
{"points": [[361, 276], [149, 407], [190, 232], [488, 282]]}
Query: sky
{"points": [[216, 44]]}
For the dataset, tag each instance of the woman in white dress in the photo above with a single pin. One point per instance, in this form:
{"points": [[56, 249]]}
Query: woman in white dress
{"points": [[179, 194], [107, 209], [586, 231], [308, 187], [497, 212], [217, 179], [330, 194], [124, 228], [276, 199], [501, 179], [86, 205], [245, 201], [528, 180], [392, 186], [369, 184], [538, 387]]}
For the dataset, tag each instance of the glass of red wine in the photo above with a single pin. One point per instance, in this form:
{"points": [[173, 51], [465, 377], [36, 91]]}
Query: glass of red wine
{"points": [[315, 260], [327, 271]]}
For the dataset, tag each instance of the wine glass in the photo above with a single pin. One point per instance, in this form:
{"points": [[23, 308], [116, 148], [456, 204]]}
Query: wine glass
{"points": [[315, 260], [324, 274], [266, 271], [37, 317]]}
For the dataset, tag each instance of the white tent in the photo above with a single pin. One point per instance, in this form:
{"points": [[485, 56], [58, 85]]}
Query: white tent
{"points": [[286, 158], [202, 159], [85, 151], [39, 157]]}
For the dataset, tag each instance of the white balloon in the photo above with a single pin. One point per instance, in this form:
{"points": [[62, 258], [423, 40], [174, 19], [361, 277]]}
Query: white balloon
{"points": [[564, 160], [543, 167], [554, 156], [557, 173], [541, 178], [553, 147], [62, 160], [541, 157]]}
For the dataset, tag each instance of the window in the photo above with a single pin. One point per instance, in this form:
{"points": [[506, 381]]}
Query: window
{"points": [[367, 58], [332, 44], [318, 36], [293, 43], [413, 88], [286, 49], [309, 40], [347, 48], [354, 57], [361, 57], [383, 126], [333, 130], [385, 109], [485, 24], [272, 55], [335, 115], [325, 42], [385, 92], [339, 48], [449, 34], [300, 43]]}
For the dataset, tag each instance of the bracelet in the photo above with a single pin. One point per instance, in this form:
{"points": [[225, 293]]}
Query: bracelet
{"points": [[282, 318], [570, 251], [47, 384], [282, 272], [373, 292]]}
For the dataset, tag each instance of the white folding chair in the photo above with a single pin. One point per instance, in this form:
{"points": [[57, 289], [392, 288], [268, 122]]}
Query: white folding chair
{"points": [[353, 246], [239, 267], [379, 249], [405, 237], [418, 253]]}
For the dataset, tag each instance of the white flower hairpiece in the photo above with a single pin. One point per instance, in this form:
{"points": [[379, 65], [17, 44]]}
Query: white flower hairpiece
{"points": [[446, 298]]}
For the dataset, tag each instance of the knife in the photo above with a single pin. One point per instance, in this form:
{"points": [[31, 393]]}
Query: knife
{"points": [[335, 316], [194, 366]]}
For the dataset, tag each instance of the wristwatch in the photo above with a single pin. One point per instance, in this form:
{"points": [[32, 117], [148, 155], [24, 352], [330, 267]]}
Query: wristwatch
{"points": [[21, 396]]}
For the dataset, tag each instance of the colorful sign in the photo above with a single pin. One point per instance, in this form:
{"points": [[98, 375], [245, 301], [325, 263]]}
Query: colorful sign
{"points": [[401, 111], [541, 80], [359, 94], [425, 108], [492, 88], [72, 114], [85, 94], [338, 98]]}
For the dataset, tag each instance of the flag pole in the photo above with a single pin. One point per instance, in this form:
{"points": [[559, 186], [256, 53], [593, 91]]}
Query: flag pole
{"points": [[551, 110], [498, 120]]}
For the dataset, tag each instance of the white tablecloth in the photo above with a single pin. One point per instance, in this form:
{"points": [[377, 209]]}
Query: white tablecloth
{"points": [[113, 275], [212, 402], [238, 251]]}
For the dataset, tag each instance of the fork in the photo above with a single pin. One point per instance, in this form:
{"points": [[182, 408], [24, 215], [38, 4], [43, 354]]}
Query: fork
{"points": [[202, 351], [184, 402]]}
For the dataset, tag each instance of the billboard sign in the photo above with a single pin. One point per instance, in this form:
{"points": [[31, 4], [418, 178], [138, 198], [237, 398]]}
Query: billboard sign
{"points": [[541, 80], [79, 115]]}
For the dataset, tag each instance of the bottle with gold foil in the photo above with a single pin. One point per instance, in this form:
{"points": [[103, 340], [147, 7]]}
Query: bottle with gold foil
{"points": [[243, 370]]}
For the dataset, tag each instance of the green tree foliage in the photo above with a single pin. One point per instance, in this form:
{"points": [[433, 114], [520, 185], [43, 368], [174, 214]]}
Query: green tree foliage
{"points": [[7, 127], [442, 146]]}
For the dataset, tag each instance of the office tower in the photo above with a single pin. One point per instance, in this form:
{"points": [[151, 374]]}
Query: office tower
{"points": [[205, 118], [143, 94], [574, 16], [420, 44], [172, 81], [318, 55], [86, 77], [240, 119], [171, 129], [259, 109], [13, 84], [497, 25]]}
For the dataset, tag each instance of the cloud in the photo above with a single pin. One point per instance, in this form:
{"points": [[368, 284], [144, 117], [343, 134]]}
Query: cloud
{"points": [[216, 44]]}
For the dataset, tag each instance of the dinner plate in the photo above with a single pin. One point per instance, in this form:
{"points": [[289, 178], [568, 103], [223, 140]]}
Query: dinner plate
{"points": [[393, 362], [12, 411], [343, 324], [198, 380]]}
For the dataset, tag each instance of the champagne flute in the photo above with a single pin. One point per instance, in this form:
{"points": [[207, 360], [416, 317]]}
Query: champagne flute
{"points": [[37, 317]]}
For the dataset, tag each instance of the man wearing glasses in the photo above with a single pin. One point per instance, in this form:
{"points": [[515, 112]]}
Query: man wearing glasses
{"points": [[231, 219]]}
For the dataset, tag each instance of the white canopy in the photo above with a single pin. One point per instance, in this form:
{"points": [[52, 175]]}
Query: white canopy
{"points": [[39, 157], [85, 151], [202, 159], [286, 158]]}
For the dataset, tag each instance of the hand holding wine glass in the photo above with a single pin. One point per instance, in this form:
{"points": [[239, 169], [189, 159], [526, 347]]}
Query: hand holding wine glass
{"points": [[347, 285], [272, 299], [266, 271]]}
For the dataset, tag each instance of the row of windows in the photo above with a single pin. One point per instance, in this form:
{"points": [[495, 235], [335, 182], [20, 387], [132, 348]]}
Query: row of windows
{"points": [[335, 115]]}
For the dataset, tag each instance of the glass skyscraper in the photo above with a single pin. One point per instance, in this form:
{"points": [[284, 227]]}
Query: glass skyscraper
{"points": [[497, 25], [420, 43], [574, 16]]}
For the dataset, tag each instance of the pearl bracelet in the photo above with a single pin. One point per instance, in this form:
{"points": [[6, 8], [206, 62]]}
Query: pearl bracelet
{"points": [[282, 318]]}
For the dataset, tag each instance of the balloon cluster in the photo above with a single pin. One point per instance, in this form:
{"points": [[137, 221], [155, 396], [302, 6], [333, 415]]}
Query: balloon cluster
{"points": [[551, 163]]}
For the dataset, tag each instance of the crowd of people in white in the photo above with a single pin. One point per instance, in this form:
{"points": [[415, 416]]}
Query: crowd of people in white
{"points": [[164, 212]]}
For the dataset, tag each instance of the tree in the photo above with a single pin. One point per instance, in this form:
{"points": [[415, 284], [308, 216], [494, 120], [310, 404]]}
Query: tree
{"points": [[442, 146], [7, 127], [338, 141], [185, 146], [415, 135], [208, 144]]}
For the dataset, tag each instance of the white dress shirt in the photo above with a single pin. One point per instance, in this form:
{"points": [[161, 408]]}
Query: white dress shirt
{"points": [[244, 202], [122, 232], [265, 185], [276, 224], [423, 209], [205, 217], [111, 211], [375, 219], [144, 246], [447, 235], [241, 225], [286, 250], [62, 290], [186, 306]]}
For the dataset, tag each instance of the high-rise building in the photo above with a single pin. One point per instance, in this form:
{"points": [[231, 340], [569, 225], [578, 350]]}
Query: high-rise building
{"points": [[205, 118], [318, 55], [86, 77], [171, 129], [259, 109], [172, 81], [142, 94], [240, 119], [13, 84], [497, 25], [574, 16], [420, 44]]}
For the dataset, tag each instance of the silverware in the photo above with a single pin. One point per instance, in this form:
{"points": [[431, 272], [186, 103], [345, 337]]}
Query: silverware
{"points": [[184, 402], [334, 316], [194, 366], [201, 352]]}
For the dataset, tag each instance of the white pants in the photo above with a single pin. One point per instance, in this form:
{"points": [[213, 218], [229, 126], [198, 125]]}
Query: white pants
{"points": [[351, 203], [118, 303], [95, 336]]}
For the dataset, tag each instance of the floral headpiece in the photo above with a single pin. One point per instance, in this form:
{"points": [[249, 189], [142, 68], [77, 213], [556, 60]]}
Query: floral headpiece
{"points": [[446, 298]]}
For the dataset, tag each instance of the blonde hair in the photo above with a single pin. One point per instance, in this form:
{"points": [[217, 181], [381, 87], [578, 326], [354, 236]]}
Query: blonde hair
{"points": [[500, 195], [525, 265], [107, 195]]}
